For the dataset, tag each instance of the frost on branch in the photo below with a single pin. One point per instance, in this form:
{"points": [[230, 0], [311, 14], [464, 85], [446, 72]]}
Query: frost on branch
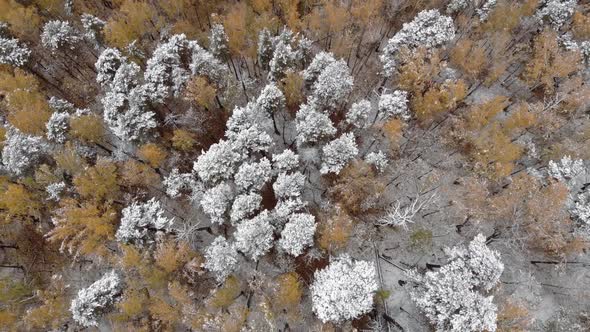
{"points": [[312, 125], [317, 65], [337, 153], [21, 152], [139, 220], [333, 85], [92, 27], [11, 51], [91, 302], [285, 161], [254, 237], [57, 34], [401, 216], [244, 206], [252, 176], [358, 113], [377, 159], [289, 185], [57, 127], [216, 202], [451, 297], [344, 290], [298, 233], [107, 64], [218, 41], [221, 258], [429, 29], [556, 12], [394, 105]]}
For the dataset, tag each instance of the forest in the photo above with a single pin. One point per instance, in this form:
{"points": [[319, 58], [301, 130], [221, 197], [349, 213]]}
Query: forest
{"points": [[295, 165]]}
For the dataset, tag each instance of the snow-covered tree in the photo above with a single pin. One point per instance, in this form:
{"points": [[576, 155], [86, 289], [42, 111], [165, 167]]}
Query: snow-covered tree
{"points": [[556, 12], [253, 175], [271, 99], [265, 48], [57, 34], [218, 163], [60, 105], [92, 27], [204, 63], [254, 237], [282, 59], [457, 5], [57, 127], [565, 169], [176, 182], [337, 153], [333, 85], [126, 115], [485, 9], [107, 64], [285, 161], [289, 185], [216, 202], [297, 235], [252, 140], [304, 46], [221, 258], [54, 190], [344, 290], [286, 207], [21, 152], [429, 29], [244, 206], [317, 65], [451, 297], [12, 52], [394, 105], [140, 219], [358, 113], [312, 125], [91, 302], [218, 41], [377, 159], [581, 211]]}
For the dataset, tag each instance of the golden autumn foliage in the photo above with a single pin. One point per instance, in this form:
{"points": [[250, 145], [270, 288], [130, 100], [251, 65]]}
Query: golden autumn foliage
{"points": [[132, 305], [26, 105], [225, 295], [84, 228], [199, 90], [494, 152], [136, 174], [581, 25], [470, 57], [153, 154], [513, 317], [133, 20], [549, 62], [480, 116], [183, 140], [54, 309], [99, 182], [393, 130], [69, 161], [357, 187], [171, 256], [23, 20], [88, 128], [288, 291], [19, 202], [334, 232], [292, 88]]}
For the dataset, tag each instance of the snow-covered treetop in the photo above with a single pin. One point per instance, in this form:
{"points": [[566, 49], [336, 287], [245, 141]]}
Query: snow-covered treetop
{"points": [[429, 29], [244, 206], [216, 202], [285, 161], [265, 48], [565, 169], [282, 59], [298, 233], [218, 163], [317, 65], [450, 297], [271, 99], [252, 176], [333, 84], [12, 52], [139, 219], [57, 34], [21, 152], [289, 185], [92, 301], [377, 159], [312, 125], [358, 113], [204, 63], [176, 182], [337, 153], [344, 290], [556, 12], [394, 105], [54, 190], [254, 237], [221, 258], [107, 64], [92, 26], [218, 41]]}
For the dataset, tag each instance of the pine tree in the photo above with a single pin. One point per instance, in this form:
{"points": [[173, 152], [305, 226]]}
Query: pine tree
{"points": [[94, 300], [58, 34], [337, 153]]}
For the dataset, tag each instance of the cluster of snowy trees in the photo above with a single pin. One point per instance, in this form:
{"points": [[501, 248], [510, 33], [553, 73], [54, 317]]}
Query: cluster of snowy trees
{"points": [[452, 298]]}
